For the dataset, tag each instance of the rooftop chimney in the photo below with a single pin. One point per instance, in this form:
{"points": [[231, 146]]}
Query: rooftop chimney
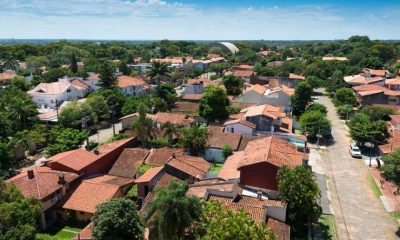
{"points": [[259, 195], [61, 179], [30, 173], [96, 152], [173, 155]]}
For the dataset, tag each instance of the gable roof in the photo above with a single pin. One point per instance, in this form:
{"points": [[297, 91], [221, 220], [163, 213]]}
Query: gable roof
{"points": [[257, 88], [149, 175], [50, 88], [174, 118], [79, 84], [76, 159], [128, 81], [109, 147], [196, 167], [393, 81], [128, 162], [273, 150], [365, 90], [240, 121], [200, 188], [220, 139], [43, 183], [158, 157], [229, 170], [271, 111]]}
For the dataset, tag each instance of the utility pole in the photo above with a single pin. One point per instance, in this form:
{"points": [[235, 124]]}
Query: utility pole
{"points": [[85, 126]]}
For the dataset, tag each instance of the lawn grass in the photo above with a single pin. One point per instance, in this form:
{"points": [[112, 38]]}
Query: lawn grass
{"points": [[374, 186], [216, 168], [328, 227], [60, 232], [395, 215]]}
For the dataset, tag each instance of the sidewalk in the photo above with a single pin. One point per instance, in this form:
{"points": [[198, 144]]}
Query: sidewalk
{"points": [[389, 199]]}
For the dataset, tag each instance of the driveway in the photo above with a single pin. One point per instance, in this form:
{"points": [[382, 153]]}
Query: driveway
{"points": [[358, 212], [104, 135]]}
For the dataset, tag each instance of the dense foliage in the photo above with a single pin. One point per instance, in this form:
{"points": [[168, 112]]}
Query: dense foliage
{"points": [[213, 104], [363, 130], [194, 139]]}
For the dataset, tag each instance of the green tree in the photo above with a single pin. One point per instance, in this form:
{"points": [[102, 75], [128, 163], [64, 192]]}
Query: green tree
{"points": [[123, 67], [376, 113], [233, 85], [301, 98], [363, 130], [213, 104], [193, 139], [18, 215], [99, 106], [117, 219], [167, 92], [314, 82], [226, 151], [107, 70], [219, 222], [391, 168], [55, 73], [169, 131], [317, 107], [172, 212], [345, 96], [215, 50], [344, 110], [335, 82], [20, 83], [5, 156], [74, 63], [143, 126], [299, 189], [371, 62], [315, 123], [159, 71], [66, 139]]}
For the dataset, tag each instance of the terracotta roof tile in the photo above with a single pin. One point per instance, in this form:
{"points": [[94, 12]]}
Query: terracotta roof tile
{"points": [[174, 118], [271, 111], [199, 189], [273, 150], [128, 81], [220, 139], [241, 121], [393, 81], [149, 175], [79, 84], [281, 230], [295, 76], [185, 107], [7, 75], [257, 88], [76, 159], [109, 179], [158, 157], [43, 183], [85, 234], [50, 88], [196, 167], [191, 97], [230, 168], [128, 162], [109, 147]]}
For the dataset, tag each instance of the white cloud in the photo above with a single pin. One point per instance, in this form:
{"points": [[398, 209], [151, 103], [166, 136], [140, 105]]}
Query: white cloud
{"points": [[160, 19]]}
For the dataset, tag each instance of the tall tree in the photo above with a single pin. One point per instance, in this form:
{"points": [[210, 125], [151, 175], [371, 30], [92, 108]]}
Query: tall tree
{"points": [[170, 130], [345, 96], [301, 98], [213, 104], [74, 63], [315, 123], [106, 70], [143, 126], [299, 189], [18, 215], [117, 219], [194, 139], [123, 67], [233, 85], [363, 130], [159, 71], [65, 140], [172, 212], [391, 168]]}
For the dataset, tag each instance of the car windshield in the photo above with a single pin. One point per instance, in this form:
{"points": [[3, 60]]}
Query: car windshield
{"points": [[355, 149]]}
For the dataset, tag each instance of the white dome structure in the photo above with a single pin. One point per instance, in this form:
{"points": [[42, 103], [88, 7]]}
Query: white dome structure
{"points": [[229, 46]]}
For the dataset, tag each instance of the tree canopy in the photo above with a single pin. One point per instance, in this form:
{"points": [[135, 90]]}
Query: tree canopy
{"points": [[363, 130], [117, 219], [194, 139], [301, 98], [213, 104], [315, 123], [233, 84]]}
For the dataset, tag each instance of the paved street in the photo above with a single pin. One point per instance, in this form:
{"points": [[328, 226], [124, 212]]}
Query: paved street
{"points": [[359, 213], [104, 135]]}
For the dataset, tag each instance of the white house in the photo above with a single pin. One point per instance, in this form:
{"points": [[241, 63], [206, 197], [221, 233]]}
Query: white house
{"points": [[132, 86], [241, 126], [48, 95]]}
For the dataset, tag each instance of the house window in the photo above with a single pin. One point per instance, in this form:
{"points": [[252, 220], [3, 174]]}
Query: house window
{"points": [[232, 130], [68, 90], [392, 100], [82, 213]]}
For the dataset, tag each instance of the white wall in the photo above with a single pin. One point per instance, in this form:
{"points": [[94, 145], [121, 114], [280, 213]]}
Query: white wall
{"points": [[239, 128], [71, 93], [132, 90], [214, 155]]}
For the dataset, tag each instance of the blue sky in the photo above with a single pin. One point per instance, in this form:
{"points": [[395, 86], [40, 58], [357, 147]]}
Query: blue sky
{"points": [[199, 19]]}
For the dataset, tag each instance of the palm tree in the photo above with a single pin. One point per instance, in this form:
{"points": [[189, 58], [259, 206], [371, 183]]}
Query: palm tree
{"points": [[172, 212], [158, 71], [143, 126], [170, 131]]}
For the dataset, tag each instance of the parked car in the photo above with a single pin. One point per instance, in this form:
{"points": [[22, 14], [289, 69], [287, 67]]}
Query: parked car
{"points": [[355, 151]]}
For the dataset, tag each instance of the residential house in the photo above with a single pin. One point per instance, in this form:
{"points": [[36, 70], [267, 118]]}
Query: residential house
{"points": [[393, 90], [46, 185], [196, 86], [127, 120], [262, 159], [128, 162], [278, 96], [274, 64], [140, 67], [362, 79], [376, 72], [216, 141], [292, 80], [85, 163], [331, 58], [132, 86], [395, 122], [146, 182], [182, 120], [240, 125], [187, 167], [371, 94], [185, 107], [159, 156], [91, 192], [50, 95], [6, 76], [243, 71]]}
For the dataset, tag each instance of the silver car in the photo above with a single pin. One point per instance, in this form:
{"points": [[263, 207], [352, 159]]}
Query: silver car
{"points": [[355, 151]]}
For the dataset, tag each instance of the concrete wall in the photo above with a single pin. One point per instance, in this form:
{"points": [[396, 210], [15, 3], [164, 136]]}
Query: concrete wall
{"points": [[239, 128], [379, 98], [214, 155]]}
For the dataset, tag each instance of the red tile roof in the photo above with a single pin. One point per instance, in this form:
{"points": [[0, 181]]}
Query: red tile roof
{"points": [[220, 139], [158, 157], [396, 118], [295, 76], [191, 97], [128, 162], [109, 147], [128, 81], [149, 175], [85, 234], [76, 159], [196, 167], [281, 230], [257, 88], [185, 107], [174, 118], [79, 84], [230, 168], [43, 183], [271, 111], [273, 150], [199, 189]]}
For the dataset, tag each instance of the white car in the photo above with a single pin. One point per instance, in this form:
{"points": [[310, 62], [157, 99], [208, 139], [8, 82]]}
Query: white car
{"points": [[355, 151]]}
